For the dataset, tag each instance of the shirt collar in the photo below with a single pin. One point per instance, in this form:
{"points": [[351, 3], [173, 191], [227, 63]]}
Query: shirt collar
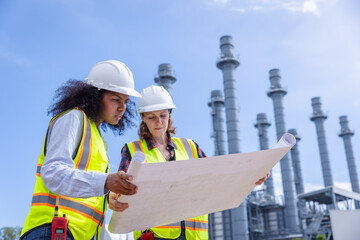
{"points": [[151, 144]]}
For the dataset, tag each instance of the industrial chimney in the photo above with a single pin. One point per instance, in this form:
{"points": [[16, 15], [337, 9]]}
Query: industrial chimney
{"points": [[319, 117], [262, 125], [227, 63], [299, 183], [276, 93], [219, 222], [165, 77], [346, 134]]}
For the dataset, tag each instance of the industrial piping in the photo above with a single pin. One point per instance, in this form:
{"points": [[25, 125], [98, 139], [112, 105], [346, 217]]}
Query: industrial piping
{"points": [[299, 182], [318, 118], [276, 93], [165, 77], [346, 134], [227, 63], [262, 124]]}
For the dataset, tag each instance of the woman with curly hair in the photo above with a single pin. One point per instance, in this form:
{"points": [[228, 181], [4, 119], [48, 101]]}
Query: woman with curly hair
{"points": [[72, 177]]}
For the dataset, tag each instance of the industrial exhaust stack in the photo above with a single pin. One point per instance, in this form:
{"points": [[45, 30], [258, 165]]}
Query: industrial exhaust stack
{"points": [[299, 182], [219, 222], [276, 93], [346, 134], [165, 77], [318, 118], [227, 63], [262, 125]]}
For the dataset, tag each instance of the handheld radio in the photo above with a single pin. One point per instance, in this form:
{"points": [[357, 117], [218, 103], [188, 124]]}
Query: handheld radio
{"points": [[58, 226]]}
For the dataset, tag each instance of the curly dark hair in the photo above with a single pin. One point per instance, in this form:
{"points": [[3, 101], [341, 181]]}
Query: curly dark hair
{"points": [[77, 93]]}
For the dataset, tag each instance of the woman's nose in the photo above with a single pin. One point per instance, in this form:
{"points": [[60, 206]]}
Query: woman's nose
{"points": [[122, 107]]}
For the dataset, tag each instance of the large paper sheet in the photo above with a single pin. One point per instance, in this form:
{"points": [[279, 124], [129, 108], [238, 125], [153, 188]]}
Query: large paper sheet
{"points": [[173, 191]]}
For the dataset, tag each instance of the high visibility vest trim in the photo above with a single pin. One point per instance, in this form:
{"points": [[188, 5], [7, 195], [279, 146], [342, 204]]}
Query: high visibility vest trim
{"points": [[38, 169], [50, 200], [187, 146], [192, 224], [84, 214]]}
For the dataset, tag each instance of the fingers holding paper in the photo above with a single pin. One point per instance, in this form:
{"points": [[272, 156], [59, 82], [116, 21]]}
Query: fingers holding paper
{"points": [[114, 204], [261, 180]]}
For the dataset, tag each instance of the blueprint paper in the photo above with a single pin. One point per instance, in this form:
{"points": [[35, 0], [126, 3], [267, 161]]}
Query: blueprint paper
{"points": [[169, 192]]}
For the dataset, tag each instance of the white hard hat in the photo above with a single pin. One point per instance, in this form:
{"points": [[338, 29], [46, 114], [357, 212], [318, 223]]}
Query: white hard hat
{"points": [[114, 76], [154, 98]]}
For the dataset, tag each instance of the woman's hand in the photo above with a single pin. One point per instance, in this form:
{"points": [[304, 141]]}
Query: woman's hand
{"points": [[261, 180], [114, 204], [119, 183]]}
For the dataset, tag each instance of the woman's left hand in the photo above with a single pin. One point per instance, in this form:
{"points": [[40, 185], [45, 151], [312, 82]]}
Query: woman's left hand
{"points": [[261, 180], [114, 204]]}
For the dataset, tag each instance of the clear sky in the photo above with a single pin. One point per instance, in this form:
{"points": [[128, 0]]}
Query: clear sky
{"points": [[314, 43]]}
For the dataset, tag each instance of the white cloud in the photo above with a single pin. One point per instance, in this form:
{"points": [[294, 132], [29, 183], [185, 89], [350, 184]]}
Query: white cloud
{"points": [[223, 2], [310, 7], [304, 6], [240, 10], [257, 8], [343, 185]]}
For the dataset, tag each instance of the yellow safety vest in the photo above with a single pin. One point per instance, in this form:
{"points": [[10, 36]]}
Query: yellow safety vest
{"points": [[195, 228], [85, 215]]}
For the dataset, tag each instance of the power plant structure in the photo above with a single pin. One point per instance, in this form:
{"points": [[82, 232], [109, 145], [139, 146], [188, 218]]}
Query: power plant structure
{"points": [[296, 214], [318, 118], [299, 183], [346, 134], [276, 93], [262, 124], [165, 77]]}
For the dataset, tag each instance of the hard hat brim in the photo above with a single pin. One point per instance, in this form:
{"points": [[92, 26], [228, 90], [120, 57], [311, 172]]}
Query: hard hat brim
{"points": [[113, 88], [154, 108]]}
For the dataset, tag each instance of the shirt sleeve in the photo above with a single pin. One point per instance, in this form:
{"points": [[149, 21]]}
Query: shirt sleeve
{"points": [[58, 171], [125, 159], [200, 152]]}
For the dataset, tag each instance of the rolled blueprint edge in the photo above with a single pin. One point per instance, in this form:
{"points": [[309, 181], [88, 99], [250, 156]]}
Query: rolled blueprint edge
{"points": [[287, 140]]}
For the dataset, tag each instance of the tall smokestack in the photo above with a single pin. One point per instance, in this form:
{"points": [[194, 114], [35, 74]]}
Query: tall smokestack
{"points": [[276, 93], [165, 77], [217, 105], [262, 125], [299, 183], [218, 230], [319, 117], [346, 134], [227, 63]]}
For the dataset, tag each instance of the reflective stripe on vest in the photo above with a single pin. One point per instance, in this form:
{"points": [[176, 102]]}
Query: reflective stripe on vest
{"points": [[192, 224], [85, 215], [69, 203], [195, 228]]}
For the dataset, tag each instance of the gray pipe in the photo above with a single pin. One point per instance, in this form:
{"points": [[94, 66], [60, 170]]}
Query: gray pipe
{"points": [[166, 77], [276, 93], [319, 117], [346, 134], [227, 63], [262, 125], [299, 182], [217, 105]]}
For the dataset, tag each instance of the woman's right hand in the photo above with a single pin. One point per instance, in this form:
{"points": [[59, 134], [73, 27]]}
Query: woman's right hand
{"points": [[114, 204], [119, 183]]}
